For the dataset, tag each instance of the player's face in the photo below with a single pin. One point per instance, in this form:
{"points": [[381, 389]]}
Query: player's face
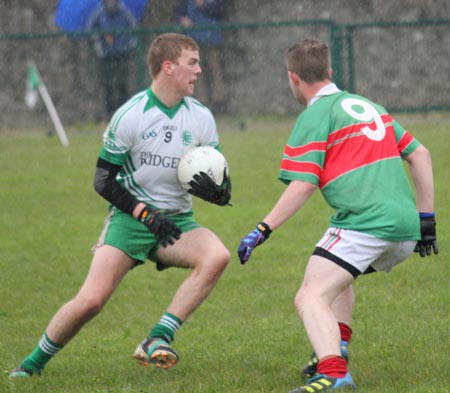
{"points": [[186, 71]]}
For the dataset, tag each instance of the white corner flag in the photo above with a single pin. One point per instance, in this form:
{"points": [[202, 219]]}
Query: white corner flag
{"points": [[35, 85]]}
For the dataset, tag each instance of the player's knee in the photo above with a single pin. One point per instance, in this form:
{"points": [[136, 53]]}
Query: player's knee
{"points": [[91, 306], [221, 259], [300, 302], [216, 262]]}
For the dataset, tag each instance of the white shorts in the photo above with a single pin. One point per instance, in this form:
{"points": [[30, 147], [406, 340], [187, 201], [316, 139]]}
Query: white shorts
{"points": [[360, 253]]}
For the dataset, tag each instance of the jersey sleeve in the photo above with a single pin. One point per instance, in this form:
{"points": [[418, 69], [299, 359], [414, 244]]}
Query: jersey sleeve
{"points": [[117, 140], [406, 143], [209, 135], [304, 154]]}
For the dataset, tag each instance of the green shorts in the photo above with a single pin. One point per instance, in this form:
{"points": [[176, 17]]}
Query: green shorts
{"points": [[134, 239]]}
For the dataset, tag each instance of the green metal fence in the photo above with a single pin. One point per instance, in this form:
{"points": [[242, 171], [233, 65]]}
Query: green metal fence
{"points": [[403, 65], [435, 58], [334, 32]]}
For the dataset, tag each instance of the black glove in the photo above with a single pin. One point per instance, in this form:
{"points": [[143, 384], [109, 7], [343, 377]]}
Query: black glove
{"points": [[205, 188], [165, 231], [428, 232]]}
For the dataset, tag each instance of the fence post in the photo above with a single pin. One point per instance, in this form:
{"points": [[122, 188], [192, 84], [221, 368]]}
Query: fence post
{"points": [[350, 58], [336, 48], [141, 65]]}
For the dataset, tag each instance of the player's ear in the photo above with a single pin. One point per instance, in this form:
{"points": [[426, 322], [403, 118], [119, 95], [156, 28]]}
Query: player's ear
{"points": [[167, 67], [293, 77]]}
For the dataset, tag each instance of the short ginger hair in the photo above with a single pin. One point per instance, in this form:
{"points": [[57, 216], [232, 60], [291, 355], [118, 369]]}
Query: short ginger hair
{"points": [[167, 47]]}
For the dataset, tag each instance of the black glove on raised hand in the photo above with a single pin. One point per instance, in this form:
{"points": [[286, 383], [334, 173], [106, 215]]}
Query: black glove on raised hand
{"points": [[428, 232], [165, 231], [205, 188]]}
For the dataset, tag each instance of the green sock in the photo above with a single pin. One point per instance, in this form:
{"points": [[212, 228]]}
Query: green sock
{"points": [[166, 327], [43, 352]]}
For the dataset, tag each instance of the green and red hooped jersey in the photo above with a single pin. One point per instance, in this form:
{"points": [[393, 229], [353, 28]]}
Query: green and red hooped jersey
{"points": [[352, 149]]}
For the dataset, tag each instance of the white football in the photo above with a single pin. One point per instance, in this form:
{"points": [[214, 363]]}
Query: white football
{"points": [[202, 159]]}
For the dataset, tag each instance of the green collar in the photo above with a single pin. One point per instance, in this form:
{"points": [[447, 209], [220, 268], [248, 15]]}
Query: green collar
{"points": [[154, 101]]}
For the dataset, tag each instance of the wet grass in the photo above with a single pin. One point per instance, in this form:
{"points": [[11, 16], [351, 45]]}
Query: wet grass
{"points": [[246, 337]]}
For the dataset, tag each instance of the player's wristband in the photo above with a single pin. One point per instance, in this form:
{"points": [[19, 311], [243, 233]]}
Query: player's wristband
{"points": [[427, 215], [265, 229]]}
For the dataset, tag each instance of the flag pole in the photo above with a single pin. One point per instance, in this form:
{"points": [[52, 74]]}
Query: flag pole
{"points": [[36, 82], [53, 114]]}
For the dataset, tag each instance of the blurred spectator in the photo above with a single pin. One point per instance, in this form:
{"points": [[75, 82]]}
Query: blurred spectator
{"points": [[190, 13], [113, 49]]}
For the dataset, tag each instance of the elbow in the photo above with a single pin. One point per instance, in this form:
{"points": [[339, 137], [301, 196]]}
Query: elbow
{"points": [[100, 181], [98, 188]]}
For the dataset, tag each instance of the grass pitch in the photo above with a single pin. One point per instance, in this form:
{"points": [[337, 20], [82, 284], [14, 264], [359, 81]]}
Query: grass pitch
{"points": [[246, 337]]}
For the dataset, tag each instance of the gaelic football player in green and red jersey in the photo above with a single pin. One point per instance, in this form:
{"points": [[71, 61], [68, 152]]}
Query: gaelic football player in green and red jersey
{"points": [[353, 151], [151, 215]]}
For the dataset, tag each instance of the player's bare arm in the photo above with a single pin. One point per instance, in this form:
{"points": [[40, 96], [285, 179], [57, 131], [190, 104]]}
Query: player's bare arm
{"points": [[292, 199], [422, 175]]}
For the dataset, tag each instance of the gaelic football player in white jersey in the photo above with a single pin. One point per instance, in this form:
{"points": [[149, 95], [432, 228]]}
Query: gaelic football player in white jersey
{"points": [[352, 150], [150, 216]]}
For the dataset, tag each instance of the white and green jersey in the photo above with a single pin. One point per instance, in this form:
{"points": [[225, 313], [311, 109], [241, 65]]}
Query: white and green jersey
{"points": [[148, 139]]}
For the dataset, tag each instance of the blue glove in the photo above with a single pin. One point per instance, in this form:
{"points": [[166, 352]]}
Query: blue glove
{"points": [[253, 239]]}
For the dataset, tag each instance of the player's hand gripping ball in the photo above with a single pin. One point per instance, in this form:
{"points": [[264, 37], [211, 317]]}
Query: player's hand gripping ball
{"points": [[203, 172]]}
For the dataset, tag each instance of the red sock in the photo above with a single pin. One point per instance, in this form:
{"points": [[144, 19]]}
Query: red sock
{"points": [[333, 366], [346, 331]]}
